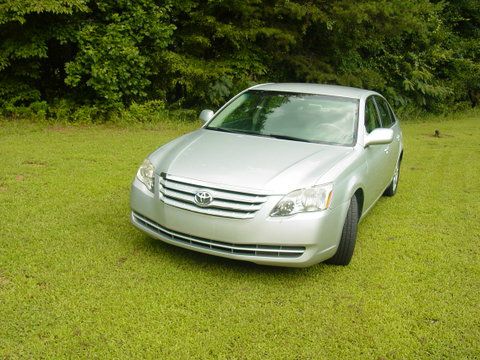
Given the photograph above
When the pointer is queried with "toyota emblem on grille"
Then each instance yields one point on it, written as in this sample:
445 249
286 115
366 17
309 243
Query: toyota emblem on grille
203 198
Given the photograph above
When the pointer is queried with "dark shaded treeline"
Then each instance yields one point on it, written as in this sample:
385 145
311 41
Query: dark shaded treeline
191 53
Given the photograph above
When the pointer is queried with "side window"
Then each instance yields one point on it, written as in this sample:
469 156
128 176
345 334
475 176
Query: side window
371 116
385 112
392 114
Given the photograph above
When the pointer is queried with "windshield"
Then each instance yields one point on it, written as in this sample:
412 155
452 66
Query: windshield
293 116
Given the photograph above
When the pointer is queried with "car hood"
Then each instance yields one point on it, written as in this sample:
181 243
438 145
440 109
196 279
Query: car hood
249 162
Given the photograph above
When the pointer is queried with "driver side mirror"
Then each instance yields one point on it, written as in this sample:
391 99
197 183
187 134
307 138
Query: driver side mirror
206 115
379 136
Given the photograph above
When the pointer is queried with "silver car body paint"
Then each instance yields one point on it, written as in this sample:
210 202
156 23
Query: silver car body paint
266 168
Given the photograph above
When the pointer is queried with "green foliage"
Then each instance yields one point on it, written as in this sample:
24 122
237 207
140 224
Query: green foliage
110 54
148 112
18 10
464 72
115 53
27 62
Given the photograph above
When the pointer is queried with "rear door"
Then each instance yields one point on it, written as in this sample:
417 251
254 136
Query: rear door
388 120
377 157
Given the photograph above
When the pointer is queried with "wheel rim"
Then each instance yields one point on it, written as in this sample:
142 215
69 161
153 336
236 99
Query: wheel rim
395 177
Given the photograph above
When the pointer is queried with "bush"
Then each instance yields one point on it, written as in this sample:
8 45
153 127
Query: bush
88 59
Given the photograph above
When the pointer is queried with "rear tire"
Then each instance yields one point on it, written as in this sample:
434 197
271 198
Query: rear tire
392 188
349 236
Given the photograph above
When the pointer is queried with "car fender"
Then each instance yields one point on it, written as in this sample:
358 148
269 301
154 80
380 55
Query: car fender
347 177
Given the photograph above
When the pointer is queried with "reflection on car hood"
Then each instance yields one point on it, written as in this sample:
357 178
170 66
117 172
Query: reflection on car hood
247 161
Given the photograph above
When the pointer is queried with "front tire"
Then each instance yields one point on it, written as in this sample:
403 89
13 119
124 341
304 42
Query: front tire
349 236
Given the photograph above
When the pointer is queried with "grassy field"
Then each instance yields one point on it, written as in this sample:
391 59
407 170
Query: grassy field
77 280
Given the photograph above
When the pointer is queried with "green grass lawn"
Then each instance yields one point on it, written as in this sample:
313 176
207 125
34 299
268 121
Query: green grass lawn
77 280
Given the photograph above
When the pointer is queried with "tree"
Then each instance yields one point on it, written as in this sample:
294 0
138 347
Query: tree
191 53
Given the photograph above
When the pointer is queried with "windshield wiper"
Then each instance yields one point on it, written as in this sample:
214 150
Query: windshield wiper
286 137
276 136
233 131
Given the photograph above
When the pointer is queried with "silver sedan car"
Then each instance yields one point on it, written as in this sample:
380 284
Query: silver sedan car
280 175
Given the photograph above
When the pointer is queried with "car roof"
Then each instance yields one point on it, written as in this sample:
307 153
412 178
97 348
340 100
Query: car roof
318 89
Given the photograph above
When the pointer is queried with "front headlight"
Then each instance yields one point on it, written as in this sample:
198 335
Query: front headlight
315 198
146 174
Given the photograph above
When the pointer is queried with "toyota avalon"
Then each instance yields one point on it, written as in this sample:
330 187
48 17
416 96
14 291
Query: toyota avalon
280 175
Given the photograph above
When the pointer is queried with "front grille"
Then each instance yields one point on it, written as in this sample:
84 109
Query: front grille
181 192
219 246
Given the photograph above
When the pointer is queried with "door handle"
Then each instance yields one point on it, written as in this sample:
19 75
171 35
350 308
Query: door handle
387 150
398 137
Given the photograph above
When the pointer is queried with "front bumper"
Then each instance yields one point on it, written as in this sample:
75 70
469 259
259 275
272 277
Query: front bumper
300 240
